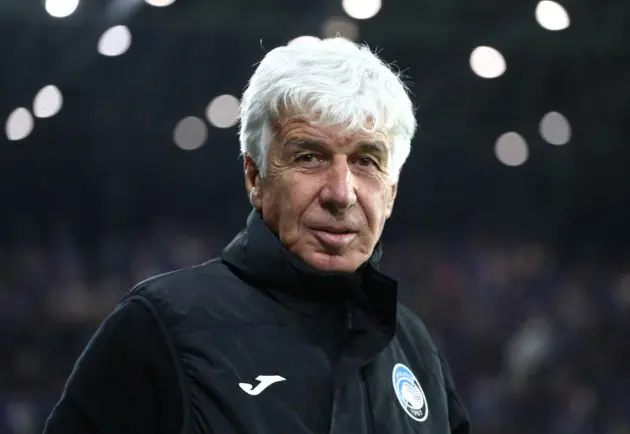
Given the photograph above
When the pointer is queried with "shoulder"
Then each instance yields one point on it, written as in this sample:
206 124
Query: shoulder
182 283
208 291
129 328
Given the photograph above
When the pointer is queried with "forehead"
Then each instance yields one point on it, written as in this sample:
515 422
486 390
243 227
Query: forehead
294 128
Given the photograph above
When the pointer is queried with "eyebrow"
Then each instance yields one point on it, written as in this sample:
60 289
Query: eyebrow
306 144
372 147
376 147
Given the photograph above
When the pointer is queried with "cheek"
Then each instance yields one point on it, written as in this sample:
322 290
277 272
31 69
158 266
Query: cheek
303 192
289 198
376 202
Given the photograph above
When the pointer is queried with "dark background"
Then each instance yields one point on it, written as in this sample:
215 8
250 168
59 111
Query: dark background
519 271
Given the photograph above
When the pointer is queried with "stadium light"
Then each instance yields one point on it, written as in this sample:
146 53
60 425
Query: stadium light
19 124
159 3
61 8
361 9
511 149
190 133
223 111
114 41
47 102
552 16
555 129
340 26
487 62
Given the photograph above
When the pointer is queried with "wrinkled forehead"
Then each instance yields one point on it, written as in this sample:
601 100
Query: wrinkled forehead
291 126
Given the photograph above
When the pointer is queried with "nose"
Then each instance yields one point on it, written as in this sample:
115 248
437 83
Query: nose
339 192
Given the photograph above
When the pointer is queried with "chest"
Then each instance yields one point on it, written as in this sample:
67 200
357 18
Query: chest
273 379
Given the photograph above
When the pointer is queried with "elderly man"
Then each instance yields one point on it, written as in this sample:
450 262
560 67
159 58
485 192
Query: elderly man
292 330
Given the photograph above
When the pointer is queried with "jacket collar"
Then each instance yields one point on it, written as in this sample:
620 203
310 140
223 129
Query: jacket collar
260 257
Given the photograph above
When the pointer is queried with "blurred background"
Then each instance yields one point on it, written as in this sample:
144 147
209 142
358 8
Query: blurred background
119 160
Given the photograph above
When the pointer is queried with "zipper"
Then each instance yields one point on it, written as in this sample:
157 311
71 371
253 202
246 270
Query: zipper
337 379
369 409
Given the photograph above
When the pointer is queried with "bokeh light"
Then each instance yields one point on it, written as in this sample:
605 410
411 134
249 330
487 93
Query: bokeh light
223 111
552 16
487 62
340 26
555 129
511 149
159 3
114 41
61 8
190 133
19 124
47 102
361 9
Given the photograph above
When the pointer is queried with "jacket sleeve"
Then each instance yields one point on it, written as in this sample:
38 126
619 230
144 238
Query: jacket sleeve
124 382
457 415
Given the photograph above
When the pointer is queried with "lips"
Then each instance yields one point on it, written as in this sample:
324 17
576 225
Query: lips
334 237
335 230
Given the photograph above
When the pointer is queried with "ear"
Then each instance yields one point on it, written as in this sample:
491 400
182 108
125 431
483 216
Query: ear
392 199
252 181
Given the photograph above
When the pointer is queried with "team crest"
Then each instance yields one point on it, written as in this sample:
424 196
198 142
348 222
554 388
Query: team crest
410 393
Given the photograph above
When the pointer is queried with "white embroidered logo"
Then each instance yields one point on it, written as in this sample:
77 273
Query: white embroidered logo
409 393
264 382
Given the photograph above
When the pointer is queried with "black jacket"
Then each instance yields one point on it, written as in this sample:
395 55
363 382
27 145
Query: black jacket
259 342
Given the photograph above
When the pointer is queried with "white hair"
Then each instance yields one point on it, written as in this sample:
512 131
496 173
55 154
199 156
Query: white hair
340 81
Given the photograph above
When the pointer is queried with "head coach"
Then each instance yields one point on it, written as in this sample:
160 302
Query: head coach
293 330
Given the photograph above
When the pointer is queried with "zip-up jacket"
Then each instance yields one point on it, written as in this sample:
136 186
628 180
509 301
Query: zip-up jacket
258 341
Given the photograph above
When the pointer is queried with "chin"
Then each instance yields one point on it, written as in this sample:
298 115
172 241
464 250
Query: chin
346 263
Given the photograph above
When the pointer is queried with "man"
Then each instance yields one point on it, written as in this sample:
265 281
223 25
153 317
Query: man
292 330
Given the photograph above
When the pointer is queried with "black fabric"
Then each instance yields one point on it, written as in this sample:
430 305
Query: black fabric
335 339
257 255
124 382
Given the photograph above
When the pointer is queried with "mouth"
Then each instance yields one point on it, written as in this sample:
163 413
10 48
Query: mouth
336 238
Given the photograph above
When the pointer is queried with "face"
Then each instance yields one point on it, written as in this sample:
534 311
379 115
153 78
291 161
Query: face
326 193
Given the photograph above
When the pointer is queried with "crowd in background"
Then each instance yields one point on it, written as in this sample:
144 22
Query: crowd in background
536 345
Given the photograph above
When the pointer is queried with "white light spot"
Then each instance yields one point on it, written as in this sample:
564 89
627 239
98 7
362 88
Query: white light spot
190 133
552 16
160 3
19 124
222 112
61 8
47 102
340 26
305 39
487 62
361 9
511 149
114 41
555 129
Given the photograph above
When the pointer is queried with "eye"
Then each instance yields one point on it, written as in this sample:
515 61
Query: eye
308 159
366 161
305 158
